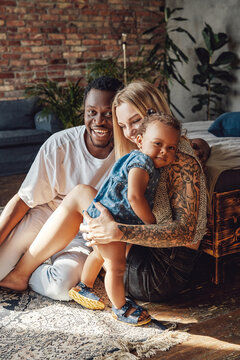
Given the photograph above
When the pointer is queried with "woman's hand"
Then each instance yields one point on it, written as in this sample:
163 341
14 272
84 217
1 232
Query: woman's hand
101 230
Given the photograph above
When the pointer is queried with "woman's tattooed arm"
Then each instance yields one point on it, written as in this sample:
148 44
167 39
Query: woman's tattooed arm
183 189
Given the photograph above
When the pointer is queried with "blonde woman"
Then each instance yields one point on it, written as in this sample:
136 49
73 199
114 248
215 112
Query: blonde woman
163 255
161 260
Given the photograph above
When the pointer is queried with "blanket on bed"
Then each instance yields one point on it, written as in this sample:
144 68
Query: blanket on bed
225 151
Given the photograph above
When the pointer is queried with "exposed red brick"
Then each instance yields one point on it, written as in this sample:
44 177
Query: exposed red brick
41 74
24 75
40 62
30 56
56 40
16 23
31 42
7 3
58 61
41 49
10 56
28 30
56 36
49 17
90 42
17 64
6 75
20 49
53 42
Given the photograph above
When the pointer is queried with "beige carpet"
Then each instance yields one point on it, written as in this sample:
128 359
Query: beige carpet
35 327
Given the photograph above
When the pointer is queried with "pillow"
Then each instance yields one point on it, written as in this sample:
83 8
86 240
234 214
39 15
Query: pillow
18 114
226 125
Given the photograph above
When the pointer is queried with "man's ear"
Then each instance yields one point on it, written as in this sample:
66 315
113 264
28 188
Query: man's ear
139 141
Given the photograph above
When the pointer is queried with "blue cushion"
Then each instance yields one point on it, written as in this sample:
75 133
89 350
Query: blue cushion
23 137
226 125
18 114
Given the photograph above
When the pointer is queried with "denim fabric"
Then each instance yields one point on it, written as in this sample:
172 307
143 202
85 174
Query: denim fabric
154 274
113 193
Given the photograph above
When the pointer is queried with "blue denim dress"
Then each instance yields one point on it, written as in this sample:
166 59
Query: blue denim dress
113 193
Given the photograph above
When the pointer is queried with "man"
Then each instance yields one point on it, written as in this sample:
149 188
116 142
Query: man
202 150
78 155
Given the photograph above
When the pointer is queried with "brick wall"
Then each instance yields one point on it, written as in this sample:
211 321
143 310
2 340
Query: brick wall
55 40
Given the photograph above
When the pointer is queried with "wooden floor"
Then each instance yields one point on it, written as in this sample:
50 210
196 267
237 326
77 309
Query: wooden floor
210 314
9 186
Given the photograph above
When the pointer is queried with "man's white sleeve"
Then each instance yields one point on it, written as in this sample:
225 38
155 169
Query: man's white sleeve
41 185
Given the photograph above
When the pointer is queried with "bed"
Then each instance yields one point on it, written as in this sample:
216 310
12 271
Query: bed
223 180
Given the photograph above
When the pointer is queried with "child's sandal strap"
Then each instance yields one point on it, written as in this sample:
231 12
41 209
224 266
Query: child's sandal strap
131 319
84 296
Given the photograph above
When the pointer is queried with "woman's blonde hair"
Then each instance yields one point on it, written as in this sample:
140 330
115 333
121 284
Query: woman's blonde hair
143 96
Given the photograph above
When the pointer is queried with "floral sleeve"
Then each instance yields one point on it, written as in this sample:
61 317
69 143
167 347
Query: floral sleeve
184 193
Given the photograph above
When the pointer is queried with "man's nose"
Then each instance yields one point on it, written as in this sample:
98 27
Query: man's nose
99 119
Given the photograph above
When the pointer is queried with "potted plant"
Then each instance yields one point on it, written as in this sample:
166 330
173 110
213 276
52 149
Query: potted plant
104 67
214 71
64 101
165 54
140 68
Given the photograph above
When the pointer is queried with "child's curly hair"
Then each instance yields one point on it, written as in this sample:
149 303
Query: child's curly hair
165 119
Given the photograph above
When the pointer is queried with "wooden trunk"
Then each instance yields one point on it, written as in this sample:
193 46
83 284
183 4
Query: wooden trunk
223 230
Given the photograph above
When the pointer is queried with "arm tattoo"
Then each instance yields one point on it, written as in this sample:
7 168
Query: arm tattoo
184 193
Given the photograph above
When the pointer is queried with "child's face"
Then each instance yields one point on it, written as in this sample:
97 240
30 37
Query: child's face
160 143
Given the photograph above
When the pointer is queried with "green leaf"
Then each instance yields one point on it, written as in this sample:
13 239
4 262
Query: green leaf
179 19
221 89
204 69
224 75
177 110
179 29
208 35
203 55
178 53
227 57
199 79
148 31
197 107
174 10
219 40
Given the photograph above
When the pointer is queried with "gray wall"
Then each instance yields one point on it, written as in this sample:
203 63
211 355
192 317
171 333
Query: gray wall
222 16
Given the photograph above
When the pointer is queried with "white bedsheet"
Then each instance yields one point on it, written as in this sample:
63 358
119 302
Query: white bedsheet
225 151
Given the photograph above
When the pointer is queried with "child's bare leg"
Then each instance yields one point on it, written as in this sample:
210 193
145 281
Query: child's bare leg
82 293
114 255
91 268
55 235
114 263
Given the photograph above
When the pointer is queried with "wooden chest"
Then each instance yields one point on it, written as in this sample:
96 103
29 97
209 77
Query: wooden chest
223 231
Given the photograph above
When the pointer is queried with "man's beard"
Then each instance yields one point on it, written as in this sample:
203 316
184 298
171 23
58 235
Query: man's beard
101 146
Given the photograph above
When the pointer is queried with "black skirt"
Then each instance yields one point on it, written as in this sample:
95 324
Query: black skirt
154 274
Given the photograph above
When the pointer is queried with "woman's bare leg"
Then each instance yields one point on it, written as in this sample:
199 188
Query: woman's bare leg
55 235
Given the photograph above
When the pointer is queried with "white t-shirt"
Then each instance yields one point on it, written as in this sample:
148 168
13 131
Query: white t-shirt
63 162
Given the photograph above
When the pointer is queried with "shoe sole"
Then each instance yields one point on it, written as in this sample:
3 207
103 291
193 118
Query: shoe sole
140 323
87 303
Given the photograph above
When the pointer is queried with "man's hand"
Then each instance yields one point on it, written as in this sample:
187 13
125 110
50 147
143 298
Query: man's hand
101 230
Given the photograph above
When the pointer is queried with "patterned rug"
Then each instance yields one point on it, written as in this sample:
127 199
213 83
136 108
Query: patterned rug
36 327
